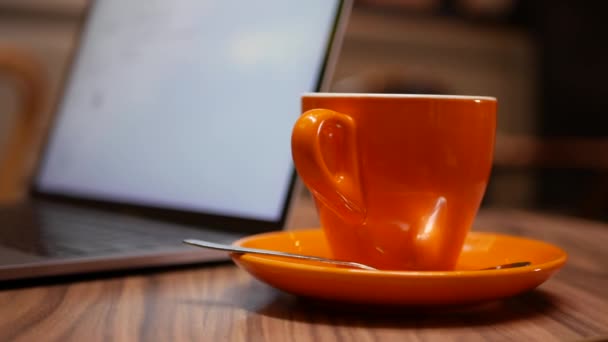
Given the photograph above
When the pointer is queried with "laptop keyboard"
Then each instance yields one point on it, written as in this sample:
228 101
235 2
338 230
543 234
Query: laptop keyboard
65 231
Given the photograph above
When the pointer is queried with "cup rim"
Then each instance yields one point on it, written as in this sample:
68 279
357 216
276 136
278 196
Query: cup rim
400 96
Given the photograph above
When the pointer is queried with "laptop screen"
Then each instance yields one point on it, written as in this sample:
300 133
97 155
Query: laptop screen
187 104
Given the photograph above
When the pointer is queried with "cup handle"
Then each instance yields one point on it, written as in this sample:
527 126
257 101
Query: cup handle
17 155
338 188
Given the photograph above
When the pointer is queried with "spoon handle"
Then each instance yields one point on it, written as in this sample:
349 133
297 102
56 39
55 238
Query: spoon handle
244 250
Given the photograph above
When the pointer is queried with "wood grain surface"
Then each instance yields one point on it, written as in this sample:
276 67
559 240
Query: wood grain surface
222 303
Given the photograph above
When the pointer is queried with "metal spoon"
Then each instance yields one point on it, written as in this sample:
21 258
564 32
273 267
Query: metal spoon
245 250
511 265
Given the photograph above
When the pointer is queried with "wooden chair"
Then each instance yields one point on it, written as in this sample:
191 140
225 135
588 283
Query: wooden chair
571 152
18 156
561 153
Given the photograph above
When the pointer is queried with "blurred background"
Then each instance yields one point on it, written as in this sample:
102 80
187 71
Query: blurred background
545 61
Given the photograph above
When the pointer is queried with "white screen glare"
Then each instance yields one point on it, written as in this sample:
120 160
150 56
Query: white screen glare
187 104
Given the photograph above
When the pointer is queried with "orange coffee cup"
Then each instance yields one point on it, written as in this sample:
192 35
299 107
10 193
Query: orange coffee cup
397 179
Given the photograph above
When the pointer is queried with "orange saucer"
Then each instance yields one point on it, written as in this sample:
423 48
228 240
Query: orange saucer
463 285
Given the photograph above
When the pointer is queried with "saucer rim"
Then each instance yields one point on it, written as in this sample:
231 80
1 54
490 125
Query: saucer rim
546 266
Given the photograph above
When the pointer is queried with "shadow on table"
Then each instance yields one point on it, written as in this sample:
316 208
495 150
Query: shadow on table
272 303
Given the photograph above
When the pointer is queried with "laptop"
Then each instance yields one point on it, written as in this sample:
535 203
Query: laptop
174 123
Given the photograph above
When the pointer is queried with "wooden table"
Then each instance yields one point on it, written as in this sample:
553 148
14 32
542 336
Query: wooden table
223 303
